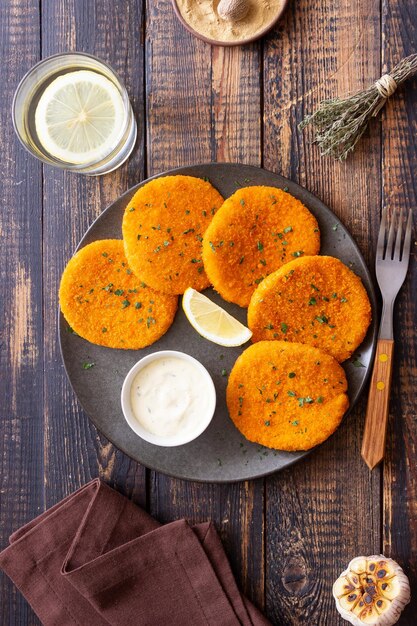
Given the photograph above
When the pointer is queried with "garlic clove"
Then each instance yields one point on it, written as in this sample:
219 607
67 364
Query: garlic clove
367 579
382 605
382 569
342 587
389 588
369 615
358 565
354 579
348 602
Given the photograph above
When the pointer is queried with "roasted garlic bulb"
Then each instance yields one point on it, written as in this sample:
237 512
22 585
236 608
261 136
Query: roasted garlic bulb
372 590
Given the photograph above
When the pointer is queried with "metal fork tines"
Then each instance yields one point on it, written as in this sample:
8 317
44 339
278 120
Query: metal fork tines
392 257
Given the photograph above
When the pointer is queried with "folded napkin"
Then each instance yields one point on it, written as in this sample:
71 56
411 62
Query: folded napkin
96 559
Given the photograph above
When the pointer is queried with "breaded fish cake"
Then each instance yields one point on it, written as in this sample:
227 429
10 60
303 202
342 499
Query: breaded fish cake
287 396
256 230
105 303
163 229
314 300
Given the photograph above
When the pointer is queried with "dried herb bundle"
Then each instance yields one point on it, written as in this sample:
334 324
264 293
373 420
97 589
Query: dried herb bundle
341 122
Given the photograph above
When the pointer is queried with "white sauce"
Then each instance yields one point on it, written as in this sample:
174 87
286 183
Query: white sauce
170 396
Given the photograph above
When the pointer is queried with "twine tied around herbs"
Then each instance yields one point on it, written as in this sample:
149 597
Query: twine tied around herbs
340 123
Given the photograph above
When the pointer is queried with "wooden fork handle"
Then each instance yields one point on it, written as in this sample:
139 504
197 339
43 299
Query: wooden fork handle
373 444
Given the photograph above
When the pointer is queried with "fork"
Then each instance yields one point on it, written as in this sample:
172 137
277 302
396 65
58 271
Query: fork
392 259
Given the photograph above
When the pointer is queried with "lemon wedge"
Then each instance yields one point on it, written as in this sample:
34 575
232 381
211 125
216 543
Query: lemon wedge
213 322
79 117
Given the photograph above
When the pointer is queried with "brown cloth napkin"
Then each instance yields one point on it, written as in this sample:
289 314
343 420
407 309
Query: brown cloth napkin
96 559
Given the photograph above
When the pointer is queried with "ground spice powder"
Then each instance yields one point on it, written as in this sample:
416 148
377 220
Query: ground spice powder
202 16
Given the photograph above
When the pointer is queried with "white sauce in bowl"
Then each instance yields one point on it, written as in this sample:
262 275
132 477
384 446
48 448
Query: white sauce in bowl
172 396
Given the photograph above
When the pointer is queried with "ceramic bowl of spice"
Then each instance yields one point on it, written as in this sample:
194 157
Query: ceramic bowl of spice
229 22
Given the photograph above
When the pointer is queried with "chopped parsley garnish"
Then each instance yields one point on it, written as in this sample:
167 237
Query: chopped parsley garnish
314 287
267 423
269 327
306 400
224 372
131 209
125 304
88 366
356 362
291 394
242 258
212 246
104 329
291 375
343 299
295 423
105 254
242 202
312 301
118 292
195 260
298 253
189 230
260 246
138 305
288 229
322 319
320 399
284 327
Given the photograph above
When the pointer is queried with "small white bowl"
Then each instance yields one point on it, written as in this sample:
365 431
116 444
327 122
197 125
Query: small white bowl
170 440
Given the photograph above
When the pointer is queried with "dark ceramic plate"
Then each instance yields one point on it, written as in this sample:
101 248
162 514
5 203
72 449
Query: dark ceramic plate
221 453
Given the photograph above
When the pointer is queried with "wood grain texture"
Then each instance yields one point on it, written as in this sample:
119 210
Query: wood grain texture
399 28
74 450
21 440
288 537
317 51
376 420
216 117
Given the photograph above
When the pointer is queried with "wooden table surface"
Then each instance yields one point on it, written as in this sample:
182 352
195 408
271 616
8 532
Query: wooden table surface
290 535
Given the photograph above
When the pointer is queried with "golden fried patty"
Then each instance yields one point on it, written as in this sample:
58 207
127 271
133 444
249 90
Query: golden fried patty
163 229
287 396
314 300
256 230
104 302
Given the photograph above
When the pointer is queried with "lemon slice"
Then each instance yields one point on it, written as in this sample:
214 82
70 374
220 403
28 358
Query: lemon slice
213 322
79 117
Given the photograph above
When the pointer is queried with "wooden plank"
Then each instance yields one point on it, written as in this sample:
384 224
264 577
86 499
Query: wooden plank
204 105
325 510
21 441
74 450
399 27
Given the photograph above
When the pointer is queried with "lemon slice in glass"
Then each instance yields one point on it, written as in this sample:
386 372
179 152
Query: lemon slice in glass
213 322
79 118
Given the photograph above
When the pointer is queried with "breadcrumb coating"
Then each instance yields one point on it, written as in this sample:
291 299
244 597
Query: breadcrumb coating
313 300
104 302
163 228
286 396
255 232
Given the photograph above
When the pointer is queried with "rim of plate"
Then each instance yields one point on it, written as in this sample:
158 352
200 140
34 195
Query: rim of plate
372 330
